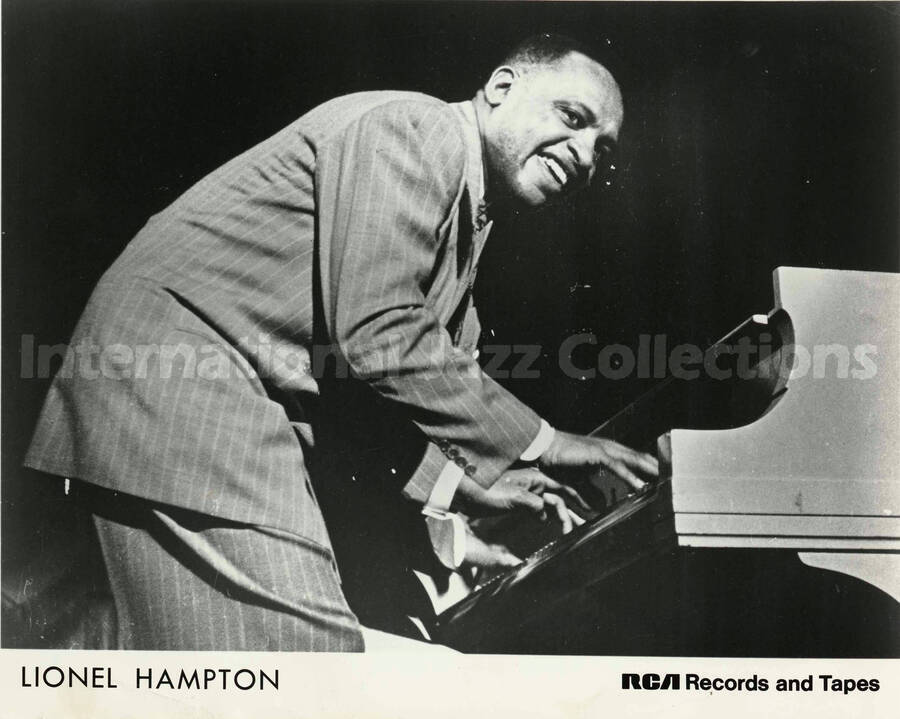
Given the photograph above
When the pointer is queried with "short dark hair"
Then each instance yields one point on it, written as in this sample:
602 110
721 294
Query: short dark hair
549 48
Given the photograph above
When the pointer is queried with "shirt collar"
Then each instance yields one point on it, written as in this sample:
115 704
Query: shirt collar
475 151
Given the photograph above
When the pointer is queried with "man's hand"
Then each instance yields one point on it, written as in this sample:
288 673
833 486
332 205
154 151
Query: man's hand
570 452
488 556
520 489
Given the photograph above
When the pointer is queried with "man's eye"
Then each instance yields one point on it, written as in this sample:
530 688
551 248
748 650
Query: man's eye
572 119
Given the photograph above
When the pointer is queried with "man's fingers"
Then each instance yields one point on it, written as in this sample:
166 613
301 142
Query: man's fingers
504 557
556 503
640 460
488 556
544 483
576 497
538 482
627 476
571 492
646 463
528 500
541 481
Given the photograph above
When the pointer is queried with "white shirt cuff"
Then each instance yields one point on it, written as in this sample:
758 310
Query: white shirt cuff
539 445
447 530
448 536
445 487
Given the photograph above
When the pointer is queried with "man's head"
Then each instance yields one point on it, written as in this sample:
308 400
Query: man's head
549 115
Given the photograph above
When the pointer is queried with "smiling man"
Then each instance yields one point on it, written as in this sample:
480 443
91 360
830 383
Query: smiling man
334 260
548 123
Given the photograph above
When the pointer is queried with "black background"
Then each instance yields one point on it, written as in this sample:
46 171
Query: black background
756 135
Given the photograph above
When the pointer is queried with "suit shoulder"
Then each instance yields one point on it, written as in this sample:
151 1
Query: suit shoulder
367 101
402 111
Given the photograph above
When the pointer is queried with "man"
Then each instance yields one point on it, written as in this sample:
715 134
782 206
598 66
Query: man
334 259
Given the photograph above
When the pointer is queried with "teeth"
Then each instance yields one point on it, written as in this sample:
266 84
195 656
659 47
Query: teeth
556 170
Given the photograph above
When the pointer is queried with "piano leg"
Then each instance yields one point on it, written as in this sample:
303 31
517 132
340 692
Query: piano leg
879 570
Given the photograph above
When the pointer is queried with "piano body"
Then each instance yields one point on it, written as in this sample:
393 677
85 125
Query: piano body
775 465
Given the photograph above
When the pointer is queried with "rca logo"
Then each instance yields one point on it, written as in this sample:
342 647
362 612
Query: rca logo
651 681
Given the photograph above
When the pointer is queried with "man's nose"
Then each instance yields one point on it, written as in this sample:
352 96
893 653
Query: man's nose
581 148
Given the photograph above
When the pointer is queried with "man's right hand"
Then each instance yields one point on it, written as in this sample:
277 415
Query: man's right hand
588 455
519 489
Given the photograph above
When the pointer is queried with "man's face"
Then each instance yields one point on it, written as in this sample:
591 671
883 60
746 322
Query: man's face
549 128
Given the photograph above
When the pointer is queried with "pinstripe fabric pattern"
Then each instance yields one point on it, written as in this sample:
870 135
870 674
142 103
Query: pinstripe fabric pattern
351 231
231 586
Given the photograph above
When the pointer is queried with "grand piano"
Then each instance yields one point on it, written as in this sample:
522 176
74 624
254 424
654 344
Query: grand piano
774 528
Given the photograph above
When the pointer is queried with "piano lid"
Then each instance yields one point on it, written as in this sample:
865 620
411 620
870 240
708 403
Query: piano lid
821 469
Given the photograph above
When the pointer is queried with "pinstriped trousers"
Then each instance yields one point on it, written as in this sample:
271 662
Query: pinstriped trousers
188 581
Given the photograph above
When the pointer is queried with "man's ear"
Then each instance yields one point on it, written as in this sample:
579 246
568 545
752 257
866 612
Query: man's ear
499 84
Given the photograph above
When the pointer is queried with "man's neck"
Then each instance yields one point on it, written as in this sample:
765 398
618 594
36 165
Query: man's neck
497 203
482 109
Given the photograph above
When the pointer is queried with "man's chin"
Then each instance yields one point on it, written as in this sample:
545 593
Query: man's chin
534 197
529 196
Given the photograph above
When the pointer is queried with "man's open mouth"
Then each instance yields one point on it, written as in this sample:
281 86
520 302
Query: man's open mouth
556 170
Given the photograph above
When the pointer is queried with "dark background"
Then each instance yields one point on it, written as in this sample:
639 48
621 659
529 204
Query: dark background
756 135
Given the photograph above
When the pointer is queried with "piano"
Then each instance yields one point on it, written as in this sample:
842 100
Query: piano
774 528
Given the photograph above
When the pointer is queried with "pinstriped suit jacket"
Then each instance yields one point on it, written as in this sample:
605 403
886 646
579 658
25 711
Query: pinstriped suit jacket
347 240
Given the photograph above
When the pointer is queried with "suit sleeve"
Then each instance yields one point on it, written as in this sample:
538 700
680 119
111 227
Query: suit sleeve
386 189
